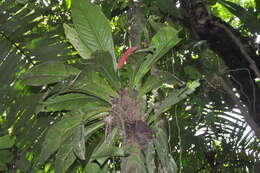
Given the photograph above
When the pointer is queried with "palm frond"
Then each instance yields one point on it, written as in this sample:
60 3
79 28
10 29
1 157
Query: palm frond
25 41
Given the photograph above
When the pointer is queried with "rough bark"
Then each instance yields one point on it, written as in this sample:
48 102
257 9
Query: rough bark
137 19
137 135
237 51
136 132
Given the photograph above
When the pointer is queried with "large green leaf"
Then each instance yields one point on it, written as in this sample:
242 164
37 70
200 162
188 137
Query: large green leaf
176 96
65 156
91 148
74 146
106 151
92 83
77 43
68 3
166 160
79 142
91 129
68 102
57 134
150 158
157 80
6 141
48 72
90 111
92 26
105 62
92 167
163 41
134 62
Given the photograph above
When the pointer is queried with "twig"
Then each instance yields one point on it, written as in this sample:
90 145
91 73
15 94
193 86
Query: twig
179 138
241 87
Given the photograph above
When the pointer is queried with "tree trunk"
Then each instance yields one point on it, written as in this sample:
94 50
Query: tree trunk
137 135
237 52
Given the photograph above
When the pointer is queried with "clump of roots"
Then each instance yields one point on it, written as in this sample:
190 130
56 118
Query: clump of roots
127 116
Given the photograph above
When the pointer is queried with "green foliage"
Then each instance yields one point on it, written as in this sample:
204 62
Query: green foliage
92 26
167 162
56 122
157 80
68 3
92 83
104 61
49 72
248 17
57 134
169 6
74 39
65 156
6 141
163 41
176 96
6 157
105 151
67 102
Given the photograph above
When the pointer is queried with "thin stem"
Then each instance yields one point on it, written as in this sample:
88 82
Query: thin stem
179 138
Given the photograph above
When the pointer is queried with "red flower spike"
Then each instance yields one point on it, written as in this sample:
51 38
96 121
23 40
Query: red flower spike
125 55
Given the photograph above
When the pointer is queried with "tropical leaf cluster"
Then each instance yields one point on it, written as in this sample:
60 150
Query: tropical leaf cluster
66 107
